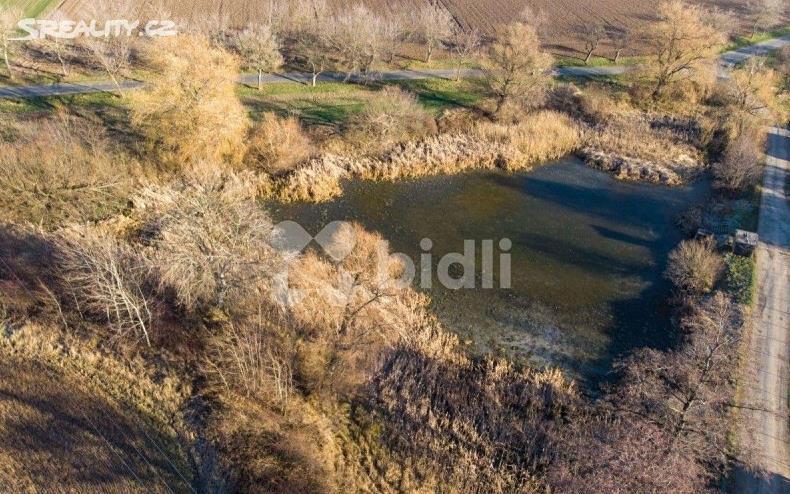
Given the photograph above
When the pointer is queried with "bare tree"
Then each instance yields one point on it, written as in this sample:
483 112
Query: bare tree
683 44
592 35
621 38
393 30
9 16
516 66
465 43
259 49
432 25
750 93
309 28
357 39
765 14
113 52
688 393
539 19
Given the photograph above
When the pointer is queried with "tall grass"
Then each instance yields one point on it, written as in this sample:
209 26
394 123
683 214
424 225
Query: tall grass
542 136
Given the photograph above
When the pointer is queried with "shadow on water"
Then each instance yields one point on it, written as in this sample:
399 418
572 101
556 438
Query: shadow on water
588 253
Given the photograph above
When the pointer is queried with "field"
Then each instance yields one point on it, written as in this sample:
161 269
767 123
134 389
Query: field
565 17
31 8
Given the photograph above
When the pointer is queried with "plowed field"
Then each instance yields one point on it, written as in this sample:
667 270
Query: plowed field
565 17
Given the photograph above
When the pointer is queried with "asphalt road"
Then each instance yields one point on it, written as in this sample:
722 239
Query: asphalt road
65 89
766 389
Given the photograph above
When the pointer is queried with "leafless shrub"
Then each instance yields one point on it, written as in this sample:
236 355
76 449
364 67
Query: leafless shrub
189 114
391 116
105 278
277 144
741 165
210 243
62 169
249 358
694 267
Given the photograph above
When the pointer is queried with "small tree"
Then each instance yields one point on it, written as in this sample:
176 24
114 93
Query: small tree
432 25
694 267
465 43
621 40
516 65
260 50
112 52
683 44
764 14
9 16
393 29
750 93
592 35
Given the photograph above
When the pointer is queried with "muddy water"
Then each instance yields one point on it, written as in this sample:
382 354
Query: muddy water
587 255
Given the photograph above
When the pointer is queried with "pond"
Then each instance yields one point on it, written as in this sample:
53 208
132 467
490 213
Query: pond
587 257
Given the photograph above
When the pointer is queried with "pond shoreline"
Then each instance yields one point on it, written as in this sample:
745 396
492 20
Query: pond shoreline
587 258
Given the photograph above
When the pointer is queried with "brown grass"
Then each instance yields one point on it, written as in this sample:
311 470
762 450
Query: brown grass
62 169
276 145
540 137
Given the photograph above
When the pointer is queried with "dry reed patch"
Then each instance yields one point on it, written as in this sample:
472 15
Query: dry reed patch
636 146
277 145
542 136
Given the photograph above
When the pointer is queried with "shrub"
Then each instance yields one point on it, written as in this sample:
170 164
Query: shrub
210 242
740 167
60 170
188 114
277 144
248 357
105 278
740 277
694 267
389 117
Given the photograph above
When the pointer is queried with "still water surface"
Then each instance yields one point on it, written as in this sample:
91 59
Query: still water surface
588 253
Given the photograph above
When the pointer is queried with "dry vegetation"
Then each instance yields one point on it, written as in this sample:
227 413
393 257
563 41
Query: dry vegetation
150 270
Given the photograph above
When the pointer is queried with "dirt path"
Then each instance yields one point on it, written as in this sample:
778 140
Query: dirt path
767 386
